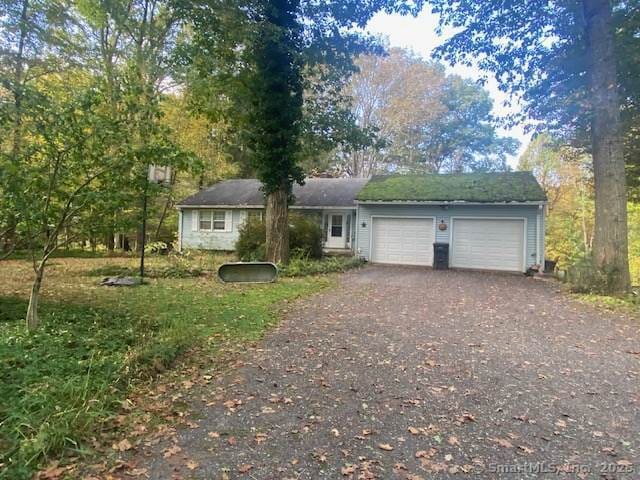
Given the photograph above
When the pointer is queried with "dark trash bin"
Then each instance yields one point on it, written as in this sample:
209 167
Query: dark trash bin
549 266
440 256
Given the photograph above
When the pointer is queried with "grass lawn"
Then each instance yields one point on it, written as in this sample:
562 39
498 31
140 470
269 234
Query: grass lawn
61 386
624 304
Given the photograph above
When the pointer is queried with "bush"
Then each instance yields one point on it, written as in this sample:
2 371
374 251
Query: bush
305 239
584 277
303 266
250 244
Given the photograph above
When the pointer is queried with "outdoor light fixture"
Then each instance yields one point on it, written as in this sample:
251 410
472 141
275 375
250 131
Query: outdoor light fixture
364 224
442 226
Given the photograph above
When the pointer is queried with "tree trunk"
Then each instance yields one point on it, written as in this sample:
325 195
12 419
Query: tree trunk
610 244
277 223
109 241
32 311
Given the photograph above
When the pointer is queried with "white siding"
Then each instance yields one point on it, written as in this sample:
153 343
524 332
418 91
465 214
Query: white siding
218 240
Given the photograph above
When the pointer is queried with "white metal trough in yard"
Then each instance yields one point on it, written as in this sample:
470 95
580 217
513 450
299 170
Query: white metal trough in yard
248 272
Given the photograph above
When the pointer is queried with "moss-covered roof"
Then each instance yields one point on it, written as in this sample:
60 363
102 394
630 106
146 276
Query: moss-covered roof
454 187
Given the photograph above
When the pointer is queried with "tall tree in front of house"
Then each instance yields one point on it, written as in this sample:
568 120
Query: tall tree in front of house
252 63
276 113
561 58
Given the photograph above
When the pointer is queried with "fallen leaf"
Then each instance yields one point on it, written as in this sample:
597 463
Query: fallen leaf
122 445
502 442
453 441
137 472
385 446
426 453
348 469
53 472
244 468
192 464
526 450
171 451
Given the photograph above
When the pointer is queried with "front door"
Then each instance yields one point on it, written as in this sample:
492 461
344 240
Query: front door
337 230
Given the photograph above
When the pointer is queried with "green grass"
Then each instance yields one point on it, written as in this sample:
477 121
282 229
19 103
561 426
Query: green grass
470 187
60 386
625 304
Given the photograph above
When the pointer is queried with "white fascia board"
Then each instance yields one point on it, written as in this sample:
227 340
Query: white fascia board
220 207
291 207
402 202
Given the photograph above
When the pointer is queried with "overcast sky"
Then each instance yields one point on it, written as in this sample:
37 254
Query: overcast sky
419 34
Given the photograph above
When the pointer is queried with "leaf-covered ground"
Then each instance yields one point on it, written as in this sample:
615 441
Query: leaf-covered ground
410 373
61 388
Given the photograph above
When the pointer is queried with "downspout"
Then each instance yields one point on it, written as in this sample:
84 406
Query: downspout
543 222
179 230
356 247
538 235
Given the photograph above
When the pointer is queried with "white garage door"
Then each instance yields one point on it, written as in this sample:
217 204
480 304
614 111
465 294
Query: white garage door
407 241
488 244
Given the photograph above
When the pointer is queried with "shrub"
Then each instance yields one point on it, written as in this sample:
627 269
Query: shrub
305 239
303 266
584 277
250 245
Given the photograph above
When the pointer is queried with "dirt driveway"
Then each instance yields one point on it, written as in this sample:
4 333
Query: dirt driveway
410 373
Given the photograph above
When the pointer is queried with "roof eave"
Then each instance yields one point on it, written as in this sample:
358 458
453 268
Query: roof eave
447 202
298 207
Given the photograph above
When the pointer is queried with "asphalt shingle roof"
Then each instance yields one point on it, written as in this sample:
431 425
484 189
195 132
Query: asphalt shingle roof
316 192
455 187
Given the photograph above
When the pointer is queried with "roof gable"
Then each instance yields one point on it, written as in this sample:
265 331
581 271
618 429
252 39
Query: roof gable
494 187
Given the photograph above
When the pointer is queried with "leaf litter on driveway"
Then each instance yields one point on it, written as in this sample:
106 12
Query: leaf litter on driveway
412 373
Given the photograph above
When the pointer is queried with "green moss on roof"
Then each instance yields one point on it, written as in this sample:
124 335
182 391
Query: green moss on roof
463 187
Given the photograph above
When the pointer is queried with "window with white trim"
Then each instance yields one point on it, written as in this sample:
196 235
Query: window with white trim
212 221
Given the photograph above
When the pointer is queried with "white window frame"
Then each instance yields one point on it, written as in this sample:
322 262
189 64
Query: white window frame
210 213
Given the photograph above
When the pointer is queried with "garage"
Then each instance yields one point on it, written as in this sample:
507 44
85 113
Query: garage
488 243
407 241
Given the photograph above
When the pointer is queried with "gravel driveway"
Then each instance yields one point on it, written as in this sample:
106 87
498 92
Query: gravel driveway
411 373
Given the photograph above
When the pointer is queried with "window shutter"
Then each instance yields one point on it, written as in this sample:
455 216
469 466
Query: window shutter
228 220
195 220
